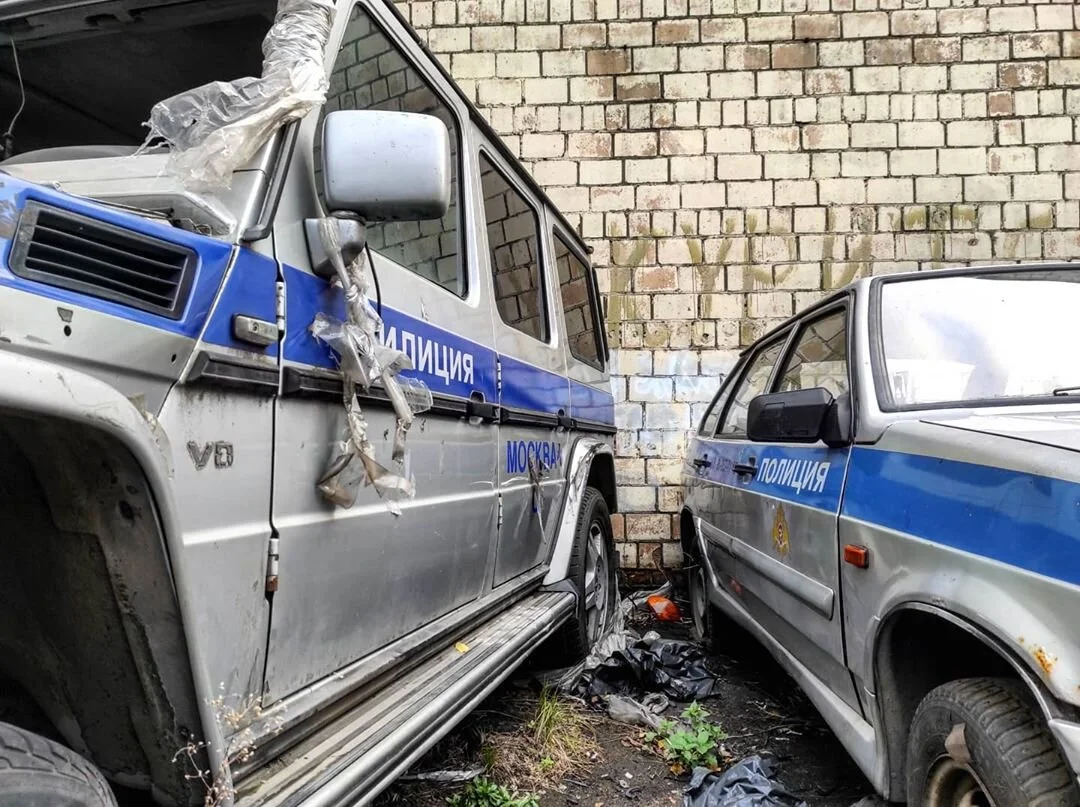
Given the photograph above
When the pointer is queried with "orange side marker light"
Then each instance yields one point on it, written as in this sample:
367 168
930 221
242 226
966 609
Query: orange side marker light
857 556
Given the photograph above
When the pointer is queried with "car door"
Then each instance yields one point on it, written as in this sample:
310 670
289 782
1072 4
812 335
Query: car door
534 393
354 580
777 504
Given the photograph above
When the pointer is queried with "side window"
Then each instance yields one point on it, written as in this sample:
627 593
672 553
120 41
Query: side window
819 358
371 73
514 251
752 384
579 307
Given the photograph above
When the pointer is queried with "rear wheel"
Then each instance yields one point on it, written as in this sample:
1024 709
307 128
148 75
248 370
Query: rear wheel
980 742
35 772
592 571
701 610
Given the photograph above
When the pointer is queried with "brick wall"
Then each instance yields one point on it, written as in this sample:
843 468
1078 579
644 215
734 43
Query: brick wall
730 160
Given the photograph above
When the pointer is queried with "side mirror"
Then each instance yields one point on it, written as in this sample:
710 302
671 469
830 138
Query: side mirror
385 166
800 416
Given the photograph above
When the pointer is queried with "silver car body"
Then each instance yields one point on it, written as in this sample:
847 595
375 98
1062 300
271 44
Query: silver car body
969 516
232 580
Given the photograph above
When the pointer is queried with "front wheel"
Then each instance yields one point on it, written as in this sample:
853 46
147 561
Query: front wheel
592 571
35 772
979 742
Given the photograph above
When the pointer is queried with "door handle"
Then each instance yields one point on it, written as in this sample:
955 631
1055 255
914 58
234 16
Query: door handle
701 463
745 468
477 407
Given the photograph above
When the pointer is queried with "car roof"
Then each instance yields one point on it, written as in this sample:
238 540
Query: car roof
862 286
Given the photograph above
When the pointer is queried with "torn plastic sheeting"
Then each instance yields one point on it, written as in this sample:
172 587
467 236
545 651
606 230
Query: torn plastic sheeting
748 783
443 777
653 664
646 713
363 359
217 128
617 638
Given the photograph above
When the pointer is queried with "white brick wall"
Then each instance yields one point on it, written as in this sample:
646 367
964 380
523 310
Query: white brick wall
731 160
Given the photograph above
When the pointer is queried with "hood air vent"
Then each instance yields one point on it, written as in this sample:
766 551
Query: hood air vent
81 254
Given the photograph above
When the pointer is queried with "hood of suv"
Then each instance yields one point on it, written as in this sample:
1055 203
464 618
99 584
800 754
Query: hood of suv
1059 429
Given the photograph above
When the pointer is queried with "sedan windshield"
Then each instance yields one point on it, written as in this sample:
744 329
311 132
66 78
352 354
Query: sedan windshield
979 338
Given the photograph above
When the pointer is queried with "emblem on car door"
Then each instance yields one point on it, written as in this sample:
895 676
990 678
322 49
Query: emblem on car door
221 452
780 532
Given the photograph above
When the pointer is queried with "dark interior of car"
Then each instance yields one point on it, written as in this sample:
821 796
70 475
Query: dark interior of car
92 73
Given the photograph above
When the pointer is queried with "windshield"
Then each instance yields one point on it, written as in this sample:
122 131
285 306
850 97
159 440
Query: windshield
978 338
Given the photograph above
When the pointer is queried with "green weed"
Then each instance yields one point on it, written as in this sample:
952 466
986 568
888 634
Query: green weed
691 744
485 793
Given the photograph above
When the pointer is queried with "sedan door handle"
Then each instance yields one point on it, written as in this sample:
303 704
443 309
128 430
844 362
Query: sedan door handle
745 469
701 463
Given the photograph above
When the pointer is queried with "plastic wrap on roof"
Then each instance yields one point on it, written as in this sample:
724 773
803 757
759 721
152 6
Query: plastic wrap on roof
215 129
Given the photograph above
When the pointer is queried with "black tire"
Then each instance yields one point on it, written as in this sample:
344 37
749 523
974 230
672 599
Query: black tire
702 612
571 643
35 772
1009 750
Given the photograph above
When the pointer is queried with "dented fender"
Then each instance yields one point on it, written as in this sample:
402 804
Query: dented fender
45 390
579 463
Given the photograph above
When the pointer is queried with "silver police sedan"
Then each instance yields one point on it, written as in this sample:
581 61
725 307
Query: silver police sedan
886 493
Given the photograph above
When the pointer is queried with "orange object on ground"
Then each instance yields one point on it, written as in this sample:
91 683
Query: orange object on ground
665 609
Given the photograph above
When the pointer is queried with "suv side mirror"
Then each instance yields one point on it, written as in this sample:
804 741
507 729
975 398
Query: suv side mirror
386 165
800 416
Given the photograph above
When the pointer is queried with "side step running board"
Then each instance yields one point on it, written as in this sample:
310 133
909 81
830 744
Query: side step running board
353 759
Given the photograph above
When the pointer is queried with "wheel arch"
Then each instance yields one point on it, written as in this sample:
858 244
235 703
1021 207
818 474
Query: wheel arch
920 646
101 648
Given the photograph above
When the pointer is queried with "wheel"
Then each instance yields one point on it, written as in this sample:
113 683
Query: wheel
592 571
980 742
701 610
35 772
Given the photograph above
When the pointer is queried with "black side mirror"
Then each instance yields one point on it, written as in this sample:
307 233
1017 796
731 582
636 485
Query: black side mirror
800 416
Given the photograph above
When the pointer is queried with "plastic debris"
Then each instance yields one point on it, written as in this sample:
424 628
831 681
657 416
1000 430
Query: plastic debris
665 609
748 783
871 801
364 360
217 128
652 664
646 713
443 777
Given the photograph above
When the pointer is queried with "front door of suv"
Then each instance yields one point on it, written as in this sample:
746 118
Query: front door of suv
778 503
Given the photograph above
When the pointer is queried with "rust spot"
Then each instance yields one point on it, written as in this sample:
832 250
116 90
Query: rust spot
1046 661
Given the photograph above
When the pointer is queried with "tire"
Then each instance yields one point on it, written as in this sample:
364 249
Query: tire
1010 757
702 613
35 772
573 641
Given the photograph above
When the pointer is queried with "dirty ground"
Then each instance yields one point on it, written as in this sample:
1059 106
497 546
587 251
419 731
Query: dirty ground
758 705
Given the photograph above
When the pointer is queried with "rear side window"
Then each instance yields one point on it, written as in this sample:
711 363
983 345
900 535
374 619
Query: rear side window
753 383
819 358
514 251
579 307
370 72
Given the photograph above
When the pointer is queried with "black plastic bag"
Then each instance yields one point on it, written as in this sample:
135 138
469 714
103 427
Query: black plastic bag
653 664
748 783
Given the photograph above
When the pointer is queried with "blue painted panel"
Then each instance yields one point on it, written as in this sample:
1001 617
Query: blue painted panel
592 404
213 258
533 389
449 364
250 290
1031 522
812 475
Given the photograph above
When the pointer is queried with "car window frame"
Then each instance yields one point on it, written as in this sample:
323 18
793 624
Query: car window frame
800 326
593 294
542 259
783 338
878 374
426 72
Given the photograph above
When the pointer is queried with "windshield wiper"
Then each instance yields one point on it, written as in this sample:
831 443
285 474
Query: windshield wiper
1065 390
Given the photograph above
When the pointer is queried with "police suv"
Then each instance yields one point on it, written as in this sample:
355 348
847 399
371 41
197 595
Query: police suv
231 571
886 492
